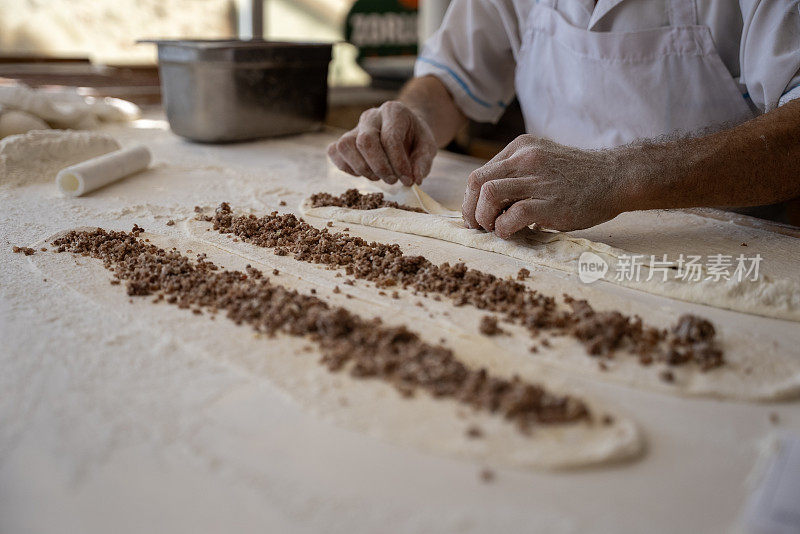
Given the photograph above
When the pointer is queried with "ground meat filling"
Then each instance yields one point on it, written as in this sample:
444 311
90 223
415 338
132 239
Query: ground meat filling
489 327
366 347
353 199
23 250
603 333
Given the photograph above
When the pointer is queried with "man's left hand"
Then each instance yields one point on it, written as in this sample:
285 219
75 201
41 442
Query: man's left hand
538 181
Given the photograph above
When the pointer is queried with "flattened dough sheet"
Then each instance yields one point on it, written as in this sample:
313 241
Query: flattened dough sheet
368 406
746 376
768 296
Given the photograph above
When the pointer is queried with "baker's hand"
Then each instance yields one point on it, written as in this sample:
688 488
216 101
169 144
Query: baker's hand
390 143
539 181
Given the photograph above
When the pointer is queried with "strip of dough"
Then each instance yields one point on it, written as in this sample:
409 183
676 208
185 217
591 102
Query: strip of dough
429 204
766 296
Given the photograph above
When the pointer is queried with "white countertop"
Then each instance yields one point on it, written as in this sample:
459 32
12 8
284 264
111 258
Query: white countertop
115 436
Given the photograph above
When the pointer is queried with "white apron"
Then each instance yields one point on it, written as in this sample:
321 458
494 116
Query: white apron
603 89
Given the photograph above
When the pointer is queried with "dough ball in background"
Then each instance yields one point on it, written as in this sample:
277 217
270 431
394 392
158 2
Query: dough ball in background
14 122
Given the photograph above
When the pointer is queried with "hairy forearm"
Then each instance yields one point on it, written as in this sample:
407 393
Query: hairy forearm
755 163
429 99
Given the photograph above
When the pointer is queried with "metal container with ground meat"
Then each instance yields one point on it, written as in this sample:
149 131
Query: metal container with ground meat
229 90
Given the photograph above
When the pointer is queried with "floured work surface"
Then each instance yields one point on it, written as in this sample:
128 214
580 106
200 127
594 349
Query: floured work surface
106 426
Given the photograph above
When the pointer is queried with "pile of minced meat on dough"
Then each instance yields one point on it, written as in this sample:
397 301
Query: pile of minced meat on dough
691 341
367 347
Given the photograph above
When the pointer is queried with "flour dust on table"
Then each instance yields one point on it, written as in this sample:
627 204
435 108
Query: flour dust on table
37 156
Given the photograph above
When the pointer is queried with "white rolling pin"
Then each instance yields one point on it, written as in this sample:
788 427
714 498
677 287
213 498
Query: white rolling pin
92 174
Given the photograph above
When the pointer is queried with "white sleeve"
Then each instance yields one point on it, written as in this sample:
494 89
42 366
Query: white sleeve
770 51
792 92
473 55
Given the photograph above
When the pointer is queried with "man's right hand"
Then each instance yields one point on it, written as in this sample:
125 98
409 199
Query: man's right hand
390 143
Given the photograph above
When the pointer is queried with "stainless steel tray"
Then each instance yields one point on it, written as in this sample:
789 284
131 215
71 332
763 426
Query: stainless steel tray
228 90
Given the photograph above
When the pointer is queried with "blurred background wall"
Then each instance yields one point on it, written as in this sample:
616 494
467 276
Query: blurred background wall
105 31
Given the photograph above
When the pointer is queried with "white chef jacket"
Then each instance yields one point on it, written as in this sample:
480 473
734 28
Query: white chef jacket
475 53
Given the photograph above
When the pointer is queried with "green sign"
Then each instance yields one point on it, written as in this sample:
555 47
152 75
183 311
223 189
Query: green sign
383 27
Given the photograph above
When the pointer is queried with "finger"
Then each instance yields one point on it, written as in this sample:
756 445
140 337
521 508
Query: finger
519 215
338 160
422 158
368 143
395 128
497 195
478 177
346 146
